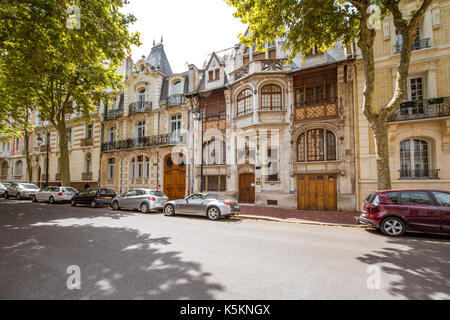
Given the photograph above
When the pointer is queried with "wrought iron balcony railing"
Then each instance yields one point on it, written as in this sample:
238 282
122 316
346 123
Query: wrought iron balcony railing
144 142
411 174
417 45
113 114
140 106
423 109
175 100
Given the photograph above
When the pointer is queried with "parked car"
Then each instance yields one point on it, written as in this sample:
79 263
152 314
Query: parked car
396 211
145 200
93 197
201 204
54 194
21 190
3 187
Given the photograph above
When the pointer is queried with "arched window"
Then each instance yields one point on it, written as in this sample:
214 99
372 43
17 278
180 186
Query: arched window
316 145
214 152
414 158
271 97
19 168
176 89
244 102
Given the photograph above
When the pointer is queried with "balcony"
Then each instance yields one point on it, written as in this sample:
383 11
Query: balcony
423 109
140 106
112 114
175 100
144 142
259 66
87 142
419 174
86 176
417 45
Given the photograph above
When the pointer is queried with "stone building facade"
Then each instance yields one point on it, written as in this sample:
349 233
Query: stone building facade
419 131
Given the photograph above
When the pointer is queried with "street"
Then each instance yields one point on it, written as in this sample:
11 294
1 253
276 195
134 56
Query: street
129 255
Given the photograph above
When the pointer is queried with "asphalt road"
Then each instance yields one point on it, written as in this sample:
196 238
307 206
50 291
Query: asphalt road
129 255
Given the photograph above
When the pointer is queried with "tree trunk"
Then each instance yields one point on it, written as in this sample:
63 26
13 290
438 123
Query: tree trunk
64 164
380 130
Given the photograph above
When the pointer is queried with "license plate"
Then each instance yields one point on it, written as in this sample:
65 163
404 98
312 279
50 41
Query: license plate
108 198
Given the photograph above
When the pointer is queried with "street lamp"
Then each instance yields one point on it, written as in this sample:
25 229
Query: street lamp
40 142
197 114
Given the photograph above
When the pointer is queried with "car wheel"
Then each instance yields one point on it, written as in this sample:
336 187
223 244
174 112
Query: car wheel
115 206
18 196
145 208
51 200
93 204
73 203
169 210
6 195
213 213
33 198
393 227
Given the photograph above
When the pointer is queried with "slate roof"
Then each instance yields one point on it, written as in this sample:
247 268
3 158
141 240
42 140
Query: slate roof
157 58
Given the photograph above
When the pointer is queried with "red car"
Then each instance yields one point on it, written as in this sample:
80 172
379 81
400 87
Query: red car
395 211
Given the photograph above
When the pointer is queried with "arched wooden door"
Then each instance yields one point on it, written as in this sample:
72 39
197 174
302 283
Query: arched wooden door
247 188
175 177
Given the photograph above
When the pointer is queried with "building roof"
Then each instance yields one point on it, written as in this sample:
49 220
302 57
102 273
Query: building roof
158 59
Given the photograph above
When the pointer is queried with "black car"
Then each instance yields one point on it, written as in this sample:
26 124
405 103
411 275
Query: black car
93 197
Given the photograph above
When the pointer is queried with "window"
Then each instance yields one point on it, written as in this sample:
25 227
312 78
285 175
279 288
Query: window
132 166
139 168
16 146
414 159
140 99
111 164
214 152
147 168
214 75
139 130
314 51
176 88
111 135
443 198
88 163
415 197
217 71
215 183
316 145
416 95
4 169
214 108
316 89
89 131
69 134
211 75
272 165
244 102
19 168
175 128
271 97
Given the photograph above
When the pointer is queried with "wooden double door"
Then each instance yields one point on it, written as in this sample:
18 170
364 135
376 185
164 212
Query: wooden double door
247 188
174 178
317 192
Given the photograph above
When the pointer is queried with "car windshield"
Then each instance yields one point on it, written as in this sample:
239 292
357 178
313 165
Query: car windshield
6 184
29 186
158 194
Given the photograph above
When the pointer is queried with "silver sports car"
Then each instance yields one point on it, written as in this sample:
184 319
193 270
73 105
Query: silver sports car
201 204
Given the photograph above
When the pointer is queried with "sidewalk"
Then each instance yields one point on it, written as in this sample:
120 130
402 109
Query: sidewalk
299 216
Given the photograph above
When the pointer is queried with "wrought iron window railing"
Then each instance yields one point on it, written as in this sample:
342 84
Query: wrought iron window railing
411 174
422 109
143 142
417 45
175 100
140 106
113 114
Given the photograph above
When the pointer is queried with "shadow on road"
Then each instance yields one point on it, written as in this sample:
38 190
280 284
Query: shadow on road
419 262
115 262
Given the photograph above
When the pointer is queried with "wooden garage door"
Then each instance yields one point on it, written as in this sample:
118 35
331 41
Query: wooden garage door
317 192
246 190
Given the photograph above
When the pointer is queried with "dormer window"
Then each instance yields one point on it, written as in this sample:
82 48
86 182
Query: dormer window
176 89
314 52
214 75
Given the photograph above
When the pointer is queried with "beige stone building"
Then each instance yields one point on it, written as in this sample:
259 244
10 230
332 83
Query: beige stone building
419 132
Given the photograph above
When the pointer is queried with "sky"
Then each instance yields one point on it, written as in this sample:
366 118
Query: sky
191 29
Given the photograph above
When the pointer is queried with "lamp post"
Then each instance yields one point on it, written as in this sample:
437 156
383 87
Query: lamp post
198 115
40 141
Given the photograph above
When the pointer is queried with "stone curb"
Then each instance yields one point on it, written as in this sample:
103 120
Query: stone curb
299 221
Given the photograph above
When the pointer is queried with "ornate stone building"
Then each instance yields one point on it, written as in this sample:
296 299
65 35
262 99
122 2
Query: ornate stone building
419 132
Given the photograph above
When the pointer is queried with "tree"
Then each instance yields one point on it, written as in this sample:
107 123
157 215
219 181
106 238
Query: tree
65 56
309 23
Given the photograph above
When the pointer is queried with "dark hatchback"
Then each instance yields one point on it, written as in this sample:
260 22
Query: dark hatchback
396 211
93 197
